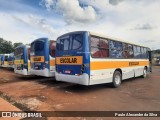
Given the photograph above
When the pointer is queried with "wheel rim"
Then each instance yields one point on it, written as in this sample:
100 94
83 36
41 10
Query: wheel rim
117 79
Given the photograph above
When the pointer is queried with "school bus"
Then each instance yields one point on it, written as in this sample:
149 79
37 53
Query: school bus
88 58
43 57
22 60
11 60
5 60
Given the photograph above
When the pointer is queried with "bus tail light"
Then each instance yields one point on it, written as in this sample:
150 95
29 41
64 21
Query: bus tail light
82 68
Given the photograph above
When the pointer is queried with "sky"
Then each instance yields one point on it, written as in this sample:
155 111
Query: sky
135 21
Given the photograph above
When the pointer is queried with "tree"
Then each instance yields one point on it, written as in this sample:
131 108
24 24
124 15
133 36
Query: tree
17 44
5 46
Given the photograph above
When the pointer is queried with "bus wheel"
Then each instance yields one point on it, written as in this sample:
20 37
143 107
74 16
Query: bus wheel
144 72
117 79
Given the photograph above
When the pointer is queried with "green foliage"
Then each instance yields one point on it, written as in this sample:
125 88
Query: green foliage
7 47
157 51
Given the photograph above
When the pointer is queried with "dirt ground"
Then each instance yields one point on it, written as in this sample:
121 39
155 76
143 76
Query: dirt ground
45 94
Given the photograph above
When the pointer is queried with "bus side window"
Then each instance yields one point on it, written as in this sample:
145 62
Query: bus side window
115 49
52 47
99 47
126 53
137 52
95 52
104 48
130 50
144 52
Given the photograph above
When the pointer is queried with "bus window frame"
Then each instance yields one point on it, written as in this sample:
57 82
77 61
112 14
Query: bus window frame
90 36
98 47
72 40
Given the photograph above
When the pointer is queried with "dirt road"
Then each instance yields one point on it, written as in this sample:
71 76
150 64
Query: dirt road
46 94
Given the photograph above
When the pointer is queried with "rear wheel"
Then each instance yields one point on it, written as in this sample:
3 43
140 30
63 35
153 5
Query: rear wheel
117 79
144 72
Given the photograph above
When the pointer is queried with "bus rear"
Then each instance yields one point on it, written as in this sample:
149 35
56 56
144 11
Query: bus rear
22 60
11 60
5 60
43 57
72 58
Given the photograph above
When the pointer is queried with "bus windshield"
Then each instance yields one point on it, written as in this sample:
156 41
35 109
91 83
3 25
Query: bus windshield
6 58
18 51
37 46
70 42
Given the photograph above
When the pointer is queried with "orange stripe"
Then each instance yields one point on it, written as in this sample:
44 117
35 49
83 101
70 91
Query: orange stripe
96 65
52 62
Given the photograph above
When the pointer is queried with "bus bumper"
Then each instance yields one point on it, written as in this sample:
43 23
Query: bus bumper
22 72
5 66
45 73
11 66
82 79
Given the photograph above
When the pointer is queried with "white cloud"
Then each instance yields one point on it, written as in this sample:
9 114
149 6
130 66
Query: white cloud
72 11
123 19
115 2
26 28
49 4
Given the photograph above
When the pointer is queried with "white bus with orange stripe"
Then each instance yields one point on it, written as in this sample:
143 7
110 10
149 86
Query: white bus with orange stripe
43 57
87 58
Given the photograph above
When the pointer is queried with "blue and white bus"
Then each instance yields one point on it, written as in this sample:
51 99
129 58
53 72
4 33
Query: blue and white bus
87 58
11 60
43 57
5 60
22 60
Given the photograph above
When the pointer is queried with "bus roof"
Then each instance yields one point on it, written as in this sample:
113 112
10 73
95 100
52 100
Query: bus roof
41 39
22 46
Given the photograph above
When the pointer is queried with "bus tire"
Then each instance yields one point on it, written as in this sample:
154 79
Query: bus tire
144 72
117 79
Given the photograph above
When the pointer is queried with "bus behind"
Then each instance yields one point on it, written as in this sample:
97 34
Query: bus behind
43 57
5 60
22 60
11 60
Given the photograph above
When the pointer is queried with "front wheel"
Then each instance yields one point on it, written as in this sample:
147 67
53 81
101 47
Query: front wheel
117 79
